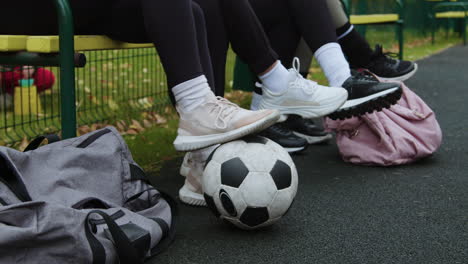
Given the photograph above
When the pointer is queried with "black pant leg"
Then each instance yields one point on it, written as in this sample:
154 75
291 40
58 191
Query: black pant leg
176 27
285 21
247 36
218 42
313 21
279 27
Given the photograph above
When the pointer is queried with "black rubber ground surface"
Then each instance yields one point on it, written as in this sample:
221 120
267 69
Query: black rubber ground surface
350 214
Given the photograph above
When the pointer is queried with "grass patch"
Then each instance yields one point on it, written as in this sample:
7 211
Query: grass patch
154 146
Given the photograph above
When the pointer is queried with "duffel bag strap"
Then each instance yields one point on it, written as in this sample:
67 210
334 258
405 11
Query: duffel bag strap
169 233
12 180
37 141
126 252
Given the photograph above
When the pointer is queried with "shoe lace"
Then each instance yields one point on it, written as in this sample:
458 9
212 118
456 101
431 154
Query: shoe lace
225 111
307 85
363 75
386 57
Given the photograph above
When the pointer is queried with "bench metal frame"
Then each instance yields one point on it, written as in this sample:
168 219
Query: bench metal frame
447 7
399 23
65 59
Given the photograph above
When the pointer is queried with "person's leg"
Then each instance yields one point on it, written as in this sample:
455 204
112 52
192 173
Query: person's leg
313 21
355 47
305 18
213 120
359 52
148 21
284 90
218 42
295 133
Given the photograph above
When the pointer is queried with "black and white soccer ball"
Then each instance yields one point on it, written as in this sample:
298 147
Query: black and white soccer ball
250 182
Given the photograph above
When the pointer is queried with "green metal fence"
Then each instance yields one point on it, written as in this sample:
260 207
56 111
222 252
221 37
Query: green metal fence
115 84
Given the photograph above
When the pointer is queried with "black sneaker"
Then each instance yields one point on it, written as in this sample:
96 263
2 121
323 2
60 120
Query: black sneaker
280 134
366 95
390 69
307 129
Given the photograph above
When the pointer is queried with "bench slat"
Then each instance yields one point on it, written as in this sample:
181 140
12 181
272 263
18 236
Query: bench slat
450 14
50 44
10 43
373 19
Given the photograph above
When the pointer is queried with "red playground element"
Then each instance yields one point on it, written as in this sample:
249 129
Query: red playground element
43 79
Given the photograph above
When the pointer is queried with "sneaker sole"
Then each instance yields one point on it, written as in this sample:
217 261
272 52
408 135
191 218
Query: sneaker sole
403 77
308 111
191 198
369 104
314 140
295 150
191 143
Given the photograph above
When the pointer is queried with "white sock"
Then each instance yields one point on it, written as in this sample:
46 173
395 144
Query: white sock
276 80
255 104
191 93
333 63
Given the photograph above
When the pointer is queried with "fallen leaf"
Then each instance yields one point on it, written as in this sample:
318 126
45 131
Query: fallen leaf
121 126
137 126
24 143
83 130
159 119
147 123
132 132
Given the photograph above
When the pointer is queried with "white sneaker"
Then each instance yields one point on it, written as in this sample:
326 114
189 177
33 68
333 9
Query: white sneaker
218 121
188 163
304 97
192 168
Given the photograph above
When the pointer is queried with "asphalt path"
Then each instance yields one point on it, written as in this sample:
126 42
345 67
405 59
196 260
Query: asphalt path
353 214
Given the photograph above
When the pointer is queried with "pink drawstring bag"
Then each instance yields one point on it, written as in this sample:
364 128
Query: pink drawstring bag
402 134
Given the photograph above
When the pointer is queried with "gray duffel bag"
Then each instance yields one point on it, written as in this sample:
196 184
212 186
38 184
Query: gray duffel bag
80 200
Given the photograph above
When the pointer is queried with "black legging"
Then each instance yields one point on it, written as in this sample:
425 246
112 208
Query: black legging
283 22
176 27
286 21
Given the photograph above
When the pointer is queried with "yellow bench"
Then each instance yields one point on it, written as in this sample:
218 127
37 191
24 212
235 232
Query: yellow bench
50 44
373 19
395 18
10 43
452 9
451 14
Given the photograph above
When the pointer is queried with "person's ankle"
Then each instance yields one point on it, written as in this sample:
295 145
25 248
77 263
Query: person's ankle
192 93
276 79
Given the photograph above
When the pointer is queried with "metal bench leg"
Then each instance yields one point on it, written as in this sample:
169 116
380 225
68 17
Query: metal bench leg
464 31
401 39
67 70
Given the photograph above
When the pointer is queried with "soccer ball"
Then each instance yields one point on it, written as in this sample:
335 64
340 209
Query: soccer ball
250 182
